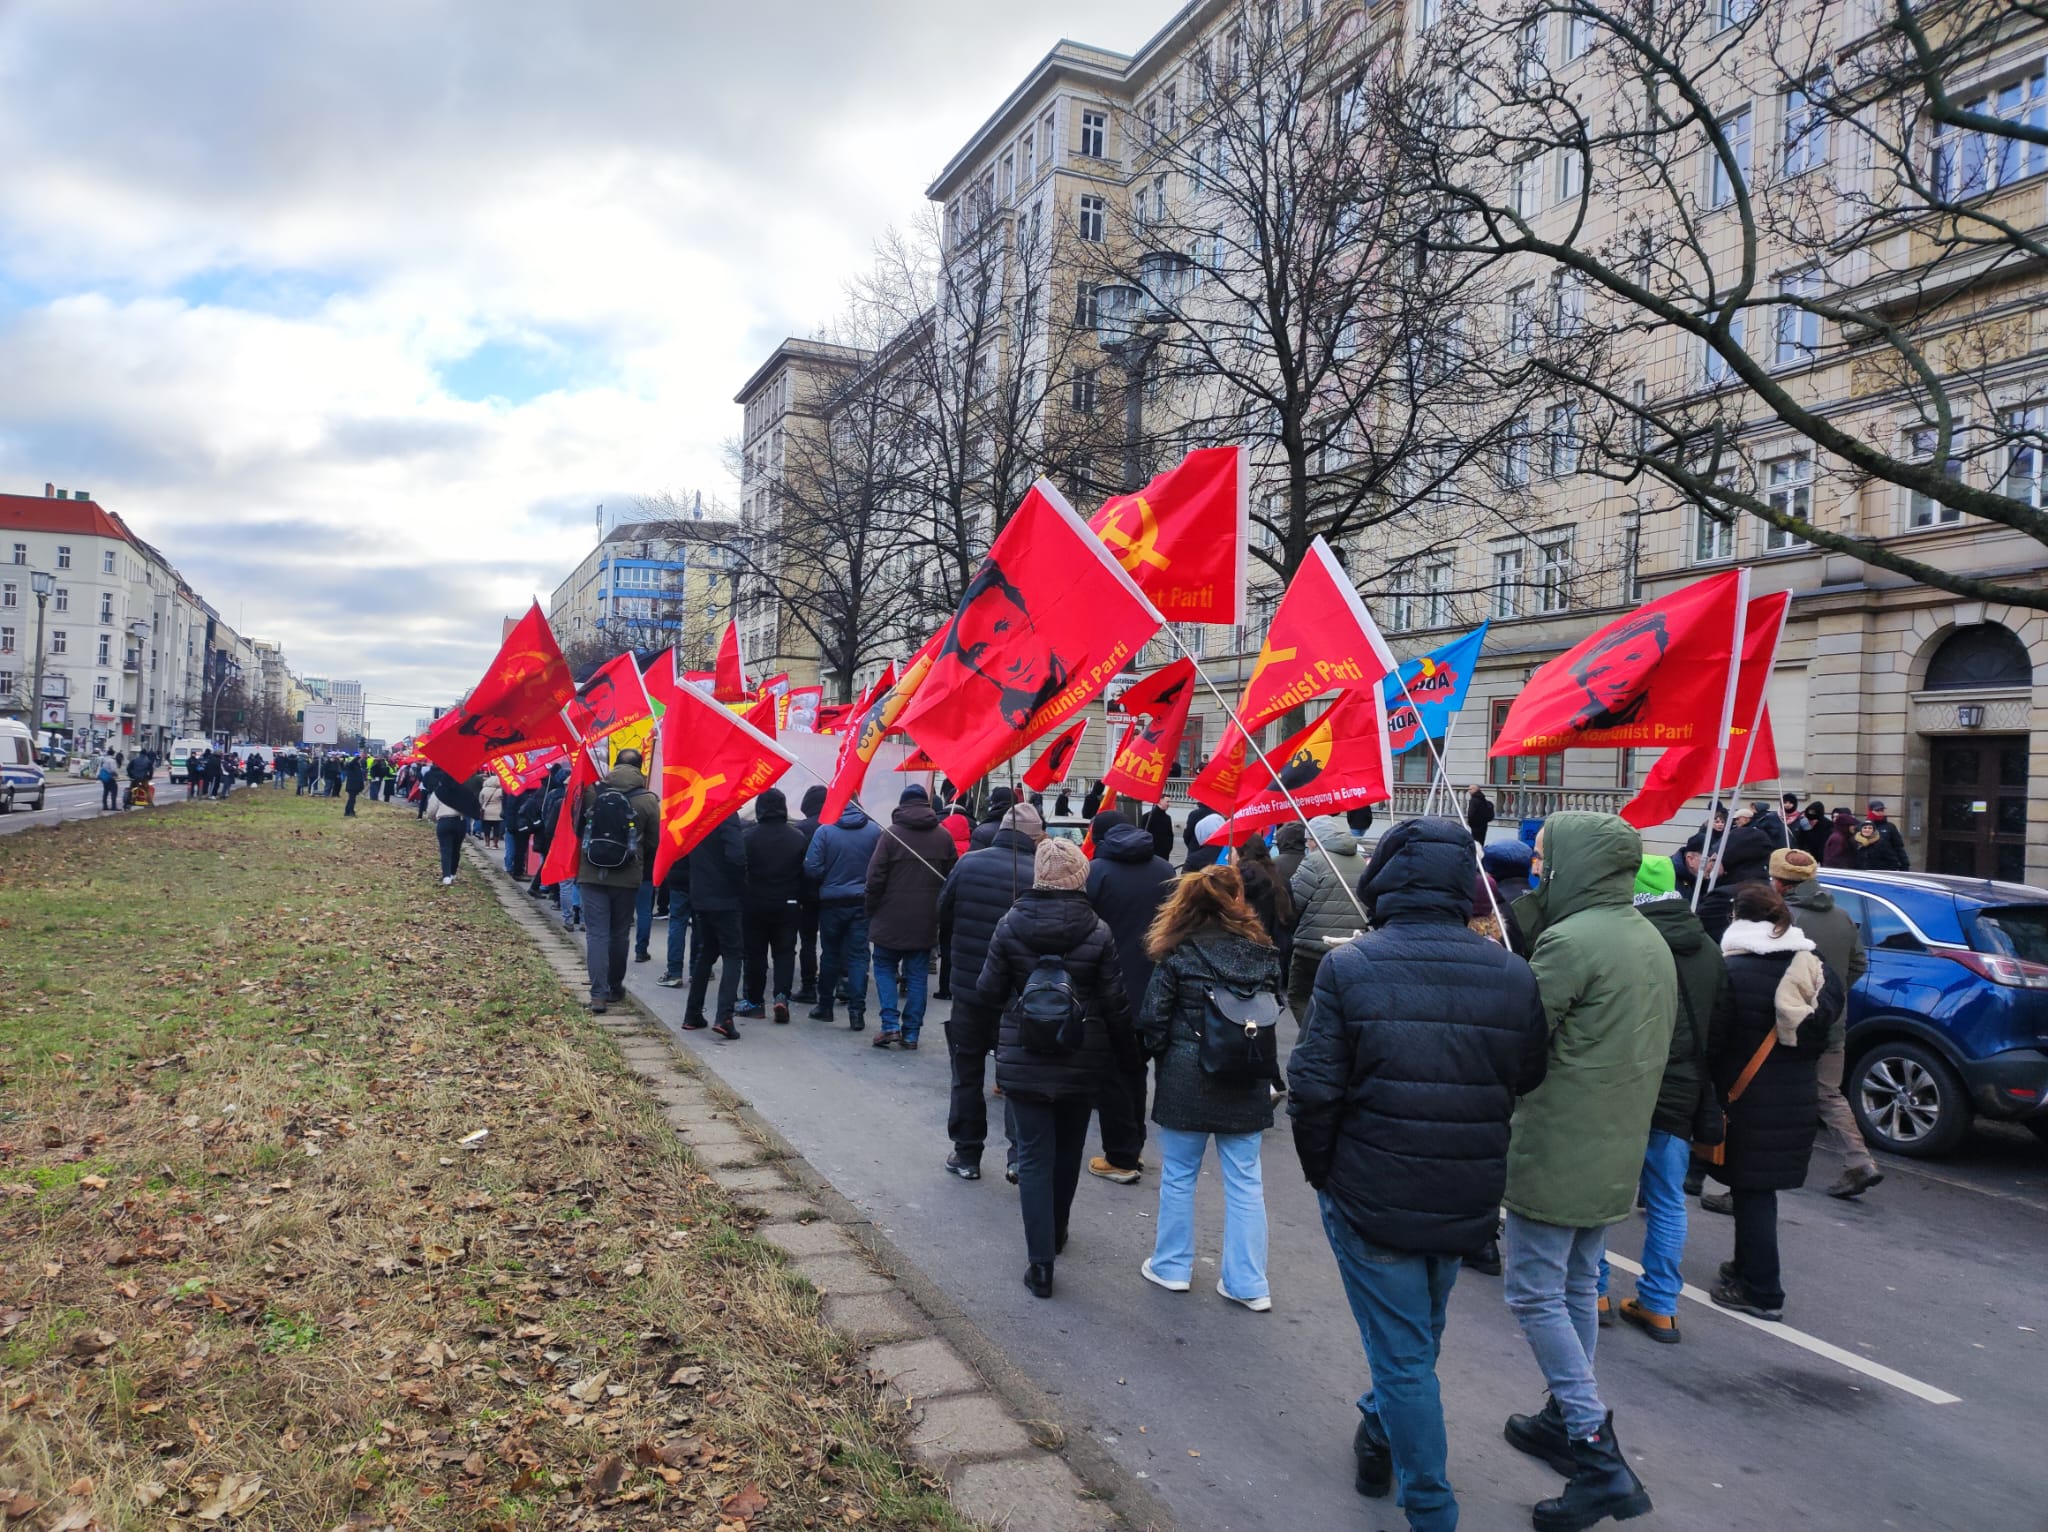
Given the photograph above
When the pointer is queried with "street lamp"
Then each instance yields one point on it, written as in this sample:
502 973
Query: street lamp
1127 323
42 584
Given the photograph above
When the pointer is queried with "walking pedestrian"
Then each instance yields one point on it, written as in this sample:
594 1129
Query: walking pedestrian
1322 893
1266 893
354 778
448 825
718 892
773 909
1834 935
1883 848
1290 850
807 906
1065 1022
837 862
616 822
978 893
1610 991
1127 883
1091 801
1810 834
1782 1001
1421 1036
1841 849
1478 813
904 877
1000 801
110 783
1205 941
491 798
1200 852
1159 825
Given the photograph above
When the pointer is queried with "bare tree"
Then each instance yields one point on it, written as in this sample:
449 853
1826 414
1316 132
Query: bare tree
1812 199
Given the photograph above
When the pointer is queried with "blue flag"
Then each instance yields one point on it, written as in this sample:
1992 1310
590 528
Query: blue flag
1438 683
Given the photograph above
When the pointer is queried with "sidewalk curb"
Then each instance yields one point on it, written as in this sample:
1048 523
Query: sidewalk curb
977 1418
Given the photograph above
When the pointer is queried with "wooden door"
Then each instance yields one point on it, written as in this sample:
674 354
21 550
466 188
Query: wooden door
1979 823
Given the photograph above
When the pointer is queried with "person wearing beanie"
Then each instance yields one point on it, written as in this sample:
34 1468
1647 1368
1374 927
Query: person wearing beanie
1202 854
1052 943
903 882
807 905
771 907
1795 875
1000 801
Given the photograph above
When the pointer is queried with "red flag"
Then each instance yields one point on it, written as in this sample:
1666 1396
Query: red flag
1183 536
1322 640
1161 700
1686 771
663 677
877 715
1658 676
917 760
1052 767
516 706
761 713
1339 761
712 762
801 717
729 673
565 852
1047 622
613 697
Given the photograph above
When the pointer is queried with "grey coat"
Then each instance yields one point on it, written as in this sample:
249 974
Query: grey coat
1170 1029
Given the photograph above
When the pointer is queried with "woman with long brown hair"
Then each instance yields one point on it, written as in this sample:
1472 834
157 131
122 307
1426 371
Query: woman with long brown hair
1207 941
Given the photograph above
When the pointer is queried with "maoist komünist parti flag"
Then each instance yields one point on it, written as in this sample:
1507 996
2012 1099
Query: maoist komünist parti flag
1184 536
518 705
1048 620
1160 702
711 761
613 697
1655 678
1338 762
862 733
1685 771
1051 767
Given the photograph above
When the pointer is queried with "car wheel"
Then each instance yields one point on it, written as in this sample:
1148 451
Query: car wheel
1908 1101
41 798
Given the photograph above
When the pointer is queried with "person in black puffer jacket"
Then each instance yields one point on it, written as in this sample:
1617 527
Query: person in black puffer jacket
1050 1095
718 892
1778 990
978 894
1420 1036
775 878
1745 858
807 902
1000 801
1127 883
1207 937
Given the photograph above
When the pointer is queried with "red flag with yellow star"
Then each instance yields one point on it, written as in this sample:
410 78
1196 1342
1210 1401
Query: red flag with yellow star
1160 704
710 761
1339 761
1183 537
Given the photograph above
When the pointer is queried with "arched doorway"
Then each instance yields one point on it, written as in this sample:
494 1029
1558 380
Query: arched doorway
1978 780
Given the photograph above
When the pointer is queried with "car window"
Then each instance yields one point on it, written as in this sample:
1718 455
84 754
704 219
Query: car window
2019 931
20 751
1853 906
1883 928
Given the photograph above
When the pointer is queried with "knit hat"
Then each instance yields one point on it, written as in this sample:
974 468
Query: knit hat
1656 876
914 793
1026 819
1207 826
1789 866
1058 864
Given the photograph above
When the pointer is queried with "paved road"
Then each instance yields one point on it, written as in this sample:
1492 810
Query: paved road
65 798
1242 1422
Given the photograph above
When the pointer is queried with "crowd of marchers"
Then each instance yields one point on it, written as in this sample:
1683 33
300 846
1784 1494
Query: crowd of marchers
1503 1048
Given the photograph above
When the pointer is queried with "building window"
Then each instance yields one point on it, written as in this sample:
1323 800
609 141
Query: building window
1968 162
1514 770
99 688
1578 35
1087 306
21 553
1571 173
106 650
1533 58
10 594
62 599
1567 303
6 639
1924 510
1046 138
1553 572
1515 453
1091 219
63 555
1521 325
1788 490
1719 369
60 641
1436 588
1026 152
1525 190
1713 536
107 562
1507 580
1721 185
106 606
1172 109
1561 433
1797 335
1084 392
2023 467
1093 125
1803 130
1732 13
1428 13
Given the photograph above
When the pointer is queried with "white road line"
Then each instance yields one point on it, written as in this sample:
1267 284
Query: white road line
1800 1338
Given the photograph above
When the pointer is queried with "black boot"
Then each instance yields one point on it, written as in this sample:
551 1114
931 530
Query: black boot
1038 1277
1485 1260
1543 1435
1375 1459
1602 1485
822 1011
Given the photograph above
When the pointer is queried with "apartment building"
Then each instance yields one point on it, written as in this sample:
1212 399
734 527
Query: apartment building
648 585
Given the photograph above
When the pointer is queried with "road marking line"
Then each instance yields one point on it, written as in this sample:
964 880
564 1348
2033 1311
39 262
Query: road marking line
1813 1343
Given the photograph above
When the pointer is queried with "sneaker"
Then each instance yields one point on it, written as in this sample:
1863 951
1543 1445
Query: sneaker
781 1013
908 1045
884 1039
1719 1202
748 1008
1010 1174
1662 1328
1145 1270
804 996
1256 1305
671 981
820 1013
958 1164
1101 1167
726 1030
855 1022
1733 1295
597 1007
643 956
694 1023
942 994
1855 1181
447 880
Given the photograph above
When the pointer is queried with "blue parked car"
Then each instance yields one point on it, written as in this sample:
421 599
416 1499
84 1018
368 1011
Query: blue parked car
1951 1020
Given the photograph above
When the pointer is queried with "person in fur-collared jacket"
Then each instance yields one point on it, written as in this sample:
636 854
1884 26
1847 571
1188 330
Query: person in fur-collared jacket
1779 992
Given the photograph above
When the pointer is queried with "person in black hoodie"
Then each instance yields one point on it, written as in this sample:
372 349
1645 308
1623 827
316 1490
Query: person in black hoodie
1051 1094
1421 1036
1000 801
1127 883
1159 825
1744 857
1091 801
978 894
807 906
718 891
775 874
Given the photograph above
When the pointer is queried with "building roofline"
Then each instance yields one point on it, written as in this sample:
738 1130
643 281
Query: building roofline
794 348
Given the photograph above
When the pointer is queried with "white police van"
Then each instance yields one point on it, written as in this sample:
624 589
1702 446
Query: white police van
20 775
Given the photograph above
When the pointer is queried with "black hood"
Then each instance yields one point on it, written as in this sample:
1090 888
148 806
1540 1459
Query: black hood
1000 801
1052 919
914 815
813 801
771 807
1422 869
1126 843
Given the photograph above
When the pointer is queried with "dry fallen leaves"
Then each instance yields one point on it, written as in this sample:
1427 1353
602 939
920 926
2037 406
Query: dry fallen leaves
235 1493
745 1504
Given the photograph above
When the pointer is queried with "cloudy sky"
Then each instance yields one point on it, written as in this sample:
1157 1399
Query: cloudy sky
357 310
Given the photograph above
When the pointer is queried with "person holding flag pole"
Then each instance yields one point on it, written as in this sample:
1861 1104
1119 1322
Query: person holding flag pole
1721 744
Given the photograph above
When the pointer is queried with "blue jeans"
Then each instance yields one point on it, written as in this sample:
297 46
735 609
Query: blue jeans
678 933
1398 1300
1244 1209
843 954
572 901
1663 1187
643 917
913 967
1550 1276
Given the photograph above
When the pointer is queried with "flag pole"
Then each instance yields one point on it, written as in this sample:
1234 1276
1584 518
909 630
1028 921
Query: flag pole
1727 718
1756 719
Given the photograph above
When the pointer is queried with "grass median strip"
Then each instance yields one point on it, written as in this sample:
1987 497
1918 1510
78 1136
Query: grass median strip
323 1206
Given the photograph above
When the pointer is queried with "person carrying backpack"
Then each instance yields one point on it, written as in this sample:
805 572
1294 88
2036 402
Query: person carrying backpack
1066 1026
617 820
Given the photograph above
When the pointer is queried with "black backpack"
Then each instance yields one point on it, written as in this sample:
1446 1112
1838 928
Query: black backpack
1050 1017
611 835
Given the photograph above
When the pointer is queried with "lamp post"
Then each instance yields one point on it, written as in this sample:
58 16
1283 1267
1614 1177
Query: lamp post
42 584
1127 323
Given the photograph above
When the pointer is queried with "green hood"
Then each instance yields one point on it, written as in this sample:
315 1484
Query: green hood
1589 860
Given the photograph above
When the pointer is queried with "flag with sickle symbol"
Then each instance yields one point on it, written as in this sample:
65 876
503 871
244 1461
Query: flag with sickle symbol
1184 537
710 762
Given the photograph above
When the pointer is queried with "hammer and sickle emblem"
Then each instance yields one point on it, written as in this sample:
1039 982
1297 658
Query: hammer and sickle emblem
1134 552
691 795
1268 655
